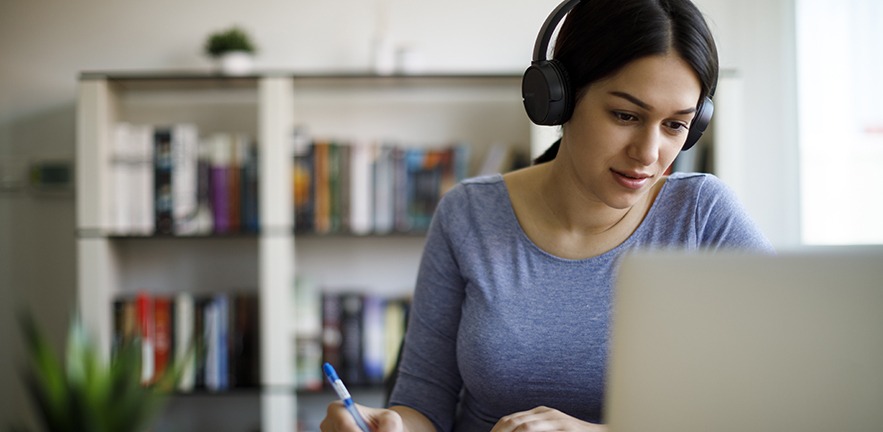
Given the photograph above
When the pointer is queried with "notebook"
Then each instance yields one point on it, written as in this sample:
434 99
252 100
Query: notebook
730 342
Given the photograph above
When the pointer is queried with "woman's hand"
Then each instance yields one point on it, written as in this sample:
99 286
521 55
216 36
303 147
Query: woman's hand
544 419
338 419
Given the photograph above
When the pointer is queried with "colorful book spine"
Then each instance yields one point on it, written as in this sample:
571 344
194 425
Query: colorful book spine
184 351
220 183
162 336
144 316
162 180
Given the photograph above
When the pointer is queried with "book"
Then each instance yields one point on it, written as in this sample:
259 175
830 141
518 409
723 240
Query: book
250 191
332 312
303 187
121 179
204 215
221 148
184 340
351 344
400 185
373 334
395 322
322 179
235 167
201 334
125 324
217 362
131 174
361 188
384 184
308 360
185 179
244 341
162 181
144 318
162 336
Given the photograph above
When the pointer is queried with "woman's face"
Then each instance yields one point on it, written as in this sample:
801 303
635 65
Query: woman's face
628 128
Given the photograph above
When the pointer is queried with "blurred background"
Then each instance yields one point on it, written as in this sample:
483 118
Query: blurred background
808 72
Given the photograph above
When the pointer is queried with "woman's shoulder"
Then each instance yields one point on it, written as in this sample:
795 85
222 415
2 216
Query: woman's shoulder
694 184
474 191
482 186
691 179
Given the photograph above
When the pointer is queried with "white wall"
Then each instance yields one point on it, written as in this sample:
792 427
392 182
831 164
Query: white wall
45 44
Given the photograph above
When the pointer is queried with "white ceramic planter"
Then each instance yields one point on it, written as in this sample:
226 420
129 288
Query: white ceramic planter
236 63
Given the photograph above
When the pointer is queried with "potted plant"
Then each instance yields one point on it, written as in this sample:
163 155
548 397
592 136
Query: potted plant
233 49
84 393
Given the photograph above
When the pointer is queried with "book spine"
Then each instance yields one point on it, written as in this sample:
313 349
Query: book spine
234 181
395 320
304 181
184 341
162 331
331 329
185 154
383 191
322 209
144 201
351 344
245 345
213 352
204 216
125 327
373 316
200 334
222 341
220 184
308 338
121 175
144 314
163 166
250 190
344 183
362 189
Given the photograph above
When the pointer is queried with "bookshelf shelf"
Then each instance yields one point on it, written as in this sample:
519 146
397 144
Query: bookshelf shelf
420 111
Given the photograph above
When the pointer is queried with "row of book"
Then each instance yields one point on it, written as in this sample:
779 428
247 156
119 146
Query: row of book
358 333
215 339
166 180
365 188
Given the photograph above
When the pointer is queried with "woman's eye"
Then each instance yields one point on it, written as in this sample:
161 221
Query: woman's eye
623 116
677 126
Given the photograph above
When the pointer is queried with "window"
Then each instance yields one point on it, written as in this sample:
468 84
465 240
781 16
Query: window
840 100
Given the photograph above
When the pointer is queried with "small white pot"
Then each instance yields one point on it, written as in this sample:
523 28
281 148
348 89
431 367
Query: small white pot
236 63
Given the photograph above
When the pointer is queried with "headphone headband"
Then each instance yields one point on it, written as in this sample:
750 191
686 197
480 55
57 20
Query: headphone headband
541 47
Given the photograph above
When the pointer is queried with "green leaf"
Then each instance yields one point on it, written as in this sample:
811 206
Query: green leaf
87 394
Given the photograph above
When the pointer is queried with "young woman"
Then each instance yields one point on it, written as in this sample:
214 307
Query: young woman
510 319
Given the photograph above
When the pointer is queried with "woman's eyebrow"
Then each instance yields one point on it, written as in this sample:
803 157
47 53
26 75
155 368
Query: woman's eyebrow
645 105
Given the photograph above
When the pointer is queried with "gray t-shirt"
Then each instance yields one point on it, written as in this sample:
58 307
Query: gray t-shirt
499 326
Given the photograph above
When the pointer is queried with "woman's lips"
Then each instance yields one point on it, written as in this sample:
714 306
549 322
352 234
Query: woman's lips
631 180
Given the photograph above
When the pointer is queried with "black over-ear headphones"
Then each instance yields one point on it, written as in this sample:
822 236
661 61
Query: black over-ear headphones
548 97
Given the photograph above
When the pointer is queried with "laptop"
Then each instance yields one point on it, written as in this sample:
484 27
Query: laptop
735 342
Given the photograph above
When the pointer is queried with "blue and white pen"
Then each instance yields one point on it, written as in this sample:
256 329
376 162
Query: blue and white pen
345 396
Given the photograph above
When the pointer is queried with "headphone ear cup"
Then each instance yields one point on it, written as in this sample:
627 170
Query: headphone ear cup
700 123
545 88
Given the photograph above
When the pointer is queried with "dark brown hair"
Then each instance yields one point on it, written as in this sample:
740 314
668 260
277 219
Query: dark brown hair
599 37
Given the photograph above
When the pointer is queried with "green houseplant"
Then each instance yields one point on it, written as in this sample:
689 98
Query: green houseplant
233 49
83 393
